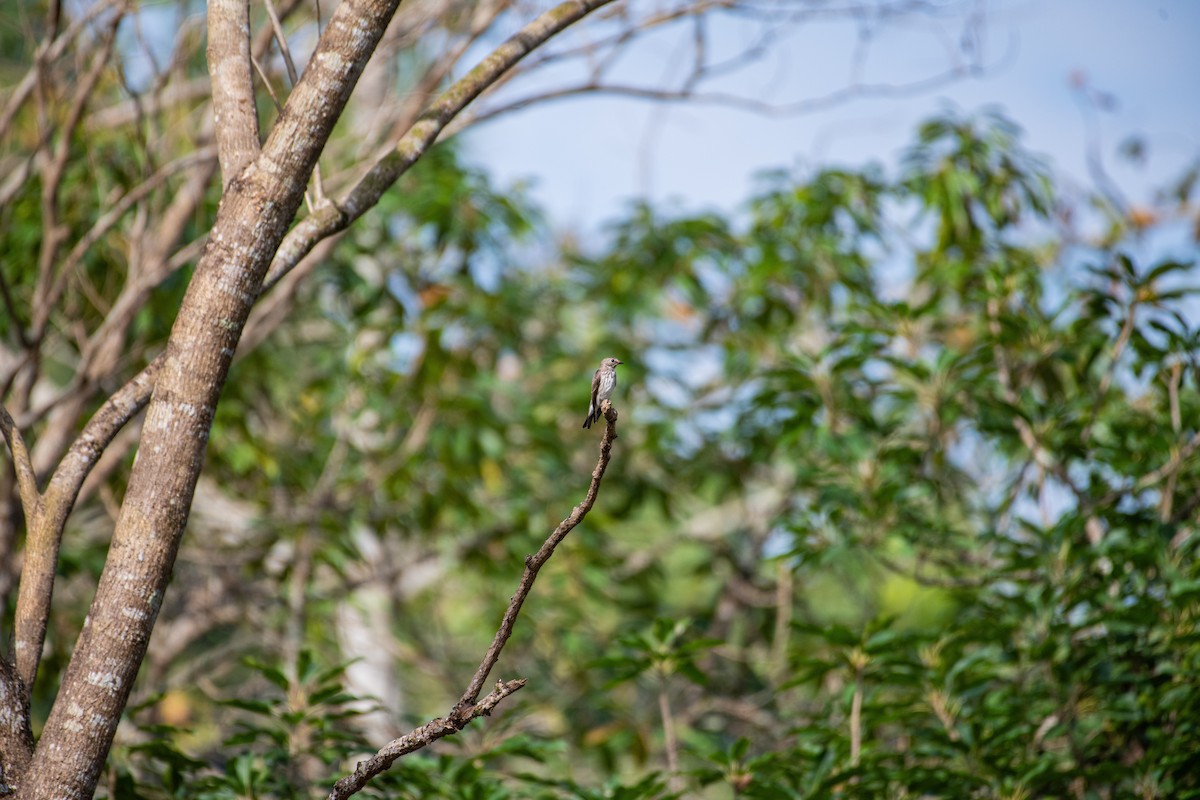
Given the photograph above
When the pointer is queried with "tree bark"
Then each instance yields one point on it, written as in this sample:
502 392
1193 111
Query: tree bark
235 116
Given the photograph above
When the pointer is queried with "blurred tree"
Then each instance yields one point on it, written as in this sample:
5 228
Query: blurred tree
898 534
907 480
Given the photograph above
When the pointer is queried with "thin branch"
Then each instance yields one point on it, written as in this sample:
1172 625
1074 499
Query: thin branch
1044 459
48 286
281 40
105 424
267 85
467 709
180 92
727 100
784 592
18 176
106 221
106 346
48 53
417 739
603 55
614 42
535 562
293 77
330 219
434 75
1184 452
31 499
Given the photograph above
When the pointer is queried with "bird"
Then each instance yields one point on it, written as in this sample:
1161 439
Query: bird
603 383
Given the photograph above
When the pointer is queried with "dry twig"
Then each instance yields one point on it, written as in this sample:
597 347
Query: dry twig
469 707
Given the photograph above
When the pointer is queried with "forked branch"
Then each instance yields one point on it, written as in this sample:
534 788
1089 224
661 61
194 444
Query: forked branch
469 707
45 528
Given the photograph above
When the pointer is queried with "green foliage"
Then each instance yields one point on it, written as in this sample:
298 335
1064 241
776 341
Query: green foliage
903 503
291 726
661 653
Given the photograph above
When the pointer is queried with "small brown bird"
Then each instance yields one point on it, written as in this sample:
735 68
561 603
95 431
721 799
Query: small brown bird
603 383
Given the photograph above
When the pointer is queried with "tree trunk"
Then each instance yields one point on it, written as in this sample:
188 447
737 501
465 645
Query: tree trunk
256 210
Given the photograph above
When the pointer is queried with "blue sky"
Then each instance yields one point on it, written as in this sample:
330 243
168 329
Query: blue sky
588 158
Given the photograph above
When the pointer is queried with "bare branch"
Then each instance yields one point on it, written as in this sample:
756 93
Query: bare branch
179 92
31 499
53 169
417 739
670 742
232 85
128 111
105 349
436 73
739 102
110 218
18 176
44 535
101 429
251 221
293 76
48 53
37 581
281 40
535 562
468 708
330 219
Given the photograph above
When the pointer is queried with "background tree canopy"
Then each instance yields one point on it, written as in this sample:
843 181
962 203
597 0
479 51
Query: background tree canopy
903 505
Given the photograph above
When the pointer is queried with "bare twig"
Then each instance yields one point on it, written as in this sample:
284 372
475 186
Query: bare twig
601 58
535 562
784 590
293 77
468 708
435 74
281 40
724 99
106 221
415 740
